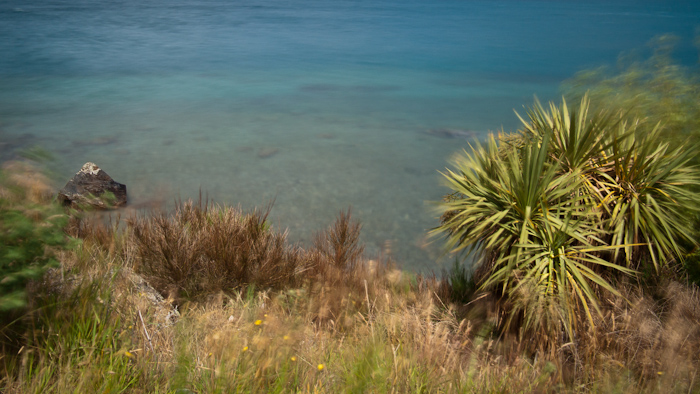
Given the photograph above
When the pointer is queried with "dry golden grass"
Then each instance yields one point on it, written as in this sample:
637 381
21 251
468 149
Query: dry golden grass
31 179
656 335
336 324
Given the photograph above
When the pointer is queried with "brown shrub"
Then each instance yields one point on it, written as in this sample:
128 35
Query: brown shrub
339 244
203 249
200 250
96 227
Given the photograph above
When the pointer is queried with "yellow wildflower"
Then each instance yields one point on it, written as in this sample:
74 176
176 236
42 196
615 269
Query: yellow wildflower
258 322
320 367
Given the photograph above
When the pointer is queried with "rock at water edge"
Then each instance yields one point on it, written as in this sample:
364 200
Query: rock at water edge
92 186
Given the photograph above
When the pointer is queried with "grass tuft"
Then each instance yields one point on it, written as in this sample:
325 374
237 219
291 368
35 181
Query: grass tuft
201 250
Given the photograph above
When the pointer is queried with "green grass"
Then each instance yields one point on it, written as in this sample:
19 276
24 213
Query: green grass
31 232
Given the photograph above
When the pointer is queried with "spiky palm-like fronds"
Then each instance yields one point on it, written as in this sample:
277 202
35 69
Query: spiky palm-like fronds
640 187
650 197
517 213
577 139
545 216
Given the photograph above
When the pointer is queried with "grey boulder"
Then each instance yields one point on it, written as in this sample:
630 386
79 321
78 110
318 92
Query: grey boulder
93 187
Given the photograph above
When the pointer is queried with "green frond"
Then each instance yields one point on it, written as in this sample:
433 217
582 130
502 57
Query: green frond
585 196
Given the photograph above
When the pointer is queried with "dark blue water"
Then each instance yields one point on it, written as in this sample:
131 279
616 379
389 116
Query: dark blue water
317 105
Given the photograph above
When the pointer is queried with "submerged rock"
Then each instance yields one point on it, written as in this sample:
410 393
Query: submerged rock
452 133
92 186
104 140
264 153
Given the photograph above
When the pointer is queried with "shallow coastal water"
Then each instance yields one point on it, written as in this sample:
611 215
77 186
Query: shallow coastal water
314 105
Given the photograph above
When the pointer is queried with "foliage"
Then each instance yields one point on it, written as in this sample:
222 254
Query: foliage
201 250
552 218
72 328
461 282
363 327
340 243
89 337
641 188
656 88
31 230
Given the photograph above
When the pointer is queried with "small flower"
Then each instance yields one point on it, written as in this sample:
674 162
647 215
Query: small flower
245 349
209 355
265 315
660 373
128 354
320 367
293 358
286 337
258 322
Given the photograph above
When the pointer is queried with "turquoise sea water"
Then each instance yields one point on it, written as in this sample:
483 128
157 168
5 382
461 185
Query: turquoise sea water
315 105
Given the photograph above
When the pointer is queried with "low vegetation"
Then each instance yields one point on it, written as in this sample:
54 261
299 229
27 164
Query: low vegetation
578 200
345 324
581 224
656 89
30 232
